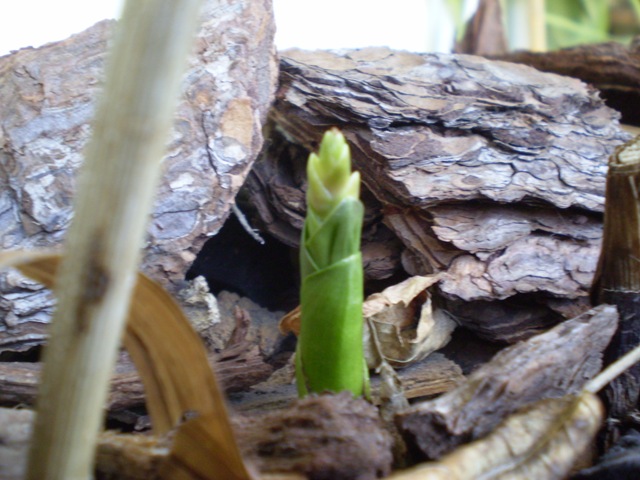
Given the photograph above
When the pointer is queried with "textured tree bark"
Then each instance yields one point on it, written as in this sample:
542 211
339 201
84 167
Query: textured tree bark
432 376
492 172
325 436
236 371
335 436
549 365
48 96
618 282
612 68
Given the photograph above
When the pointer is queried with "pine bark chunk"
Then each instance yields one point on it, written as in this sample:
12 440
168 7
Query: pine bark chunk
613 68
320 437
48 96
492 172
549 365
240 364
237 371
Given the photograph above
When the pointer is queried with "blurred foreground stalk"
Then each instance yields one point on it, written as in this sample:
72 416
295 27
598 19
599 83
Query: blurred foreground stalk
330 353
114 199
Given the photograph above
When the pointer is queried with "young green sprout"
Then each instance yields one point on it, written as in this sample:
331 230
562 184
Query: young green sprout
329 355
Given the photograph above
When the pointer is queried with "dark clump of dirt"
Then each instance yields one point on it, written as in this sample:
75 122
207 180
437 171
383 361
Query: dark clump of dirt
234 261
325 437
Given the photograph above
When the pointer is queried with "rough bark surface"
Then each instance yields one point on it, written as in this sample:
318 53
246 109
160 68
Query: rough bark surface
493 172
237 368
323 437
48 96
320 437
549 365
243 342
613 68
434 375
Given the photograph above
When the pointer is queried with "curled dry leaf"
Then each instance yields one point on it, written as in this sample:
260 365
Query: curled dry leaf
171 360
543 440
407 325
290 323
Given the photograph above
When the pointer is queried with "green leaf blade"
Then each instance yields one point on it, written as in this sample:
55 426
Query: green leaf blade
330 344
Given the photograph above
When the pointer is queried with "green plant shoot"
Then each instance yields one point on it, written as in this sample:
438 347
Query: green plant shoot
329 355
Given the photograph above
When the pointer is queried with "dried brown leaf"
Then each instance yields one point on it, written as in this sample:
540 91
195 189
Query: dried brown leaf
193 456
543 440
401 294
290 322
407 326
170 358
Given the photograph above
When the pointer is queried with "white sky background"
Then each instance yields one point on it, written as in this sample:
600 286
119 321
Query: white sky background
415 25
26 23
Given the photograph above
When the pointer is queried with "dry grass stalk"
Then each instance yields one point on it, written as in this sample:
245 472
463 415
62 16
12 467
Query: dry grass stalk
617 281
114 199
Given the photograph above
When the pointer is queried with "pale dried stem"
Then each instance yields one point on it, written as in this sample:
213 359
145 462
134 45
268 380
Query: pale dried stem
537 25
114 198
613 371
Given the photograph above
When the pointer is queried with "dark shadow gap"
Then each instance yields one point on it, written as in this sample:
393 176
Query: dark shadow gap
232 260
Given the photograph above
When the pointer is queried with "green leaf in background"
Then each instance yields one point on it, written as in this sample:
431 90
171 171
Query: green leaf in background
456 10
574 22
330 354
635 5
